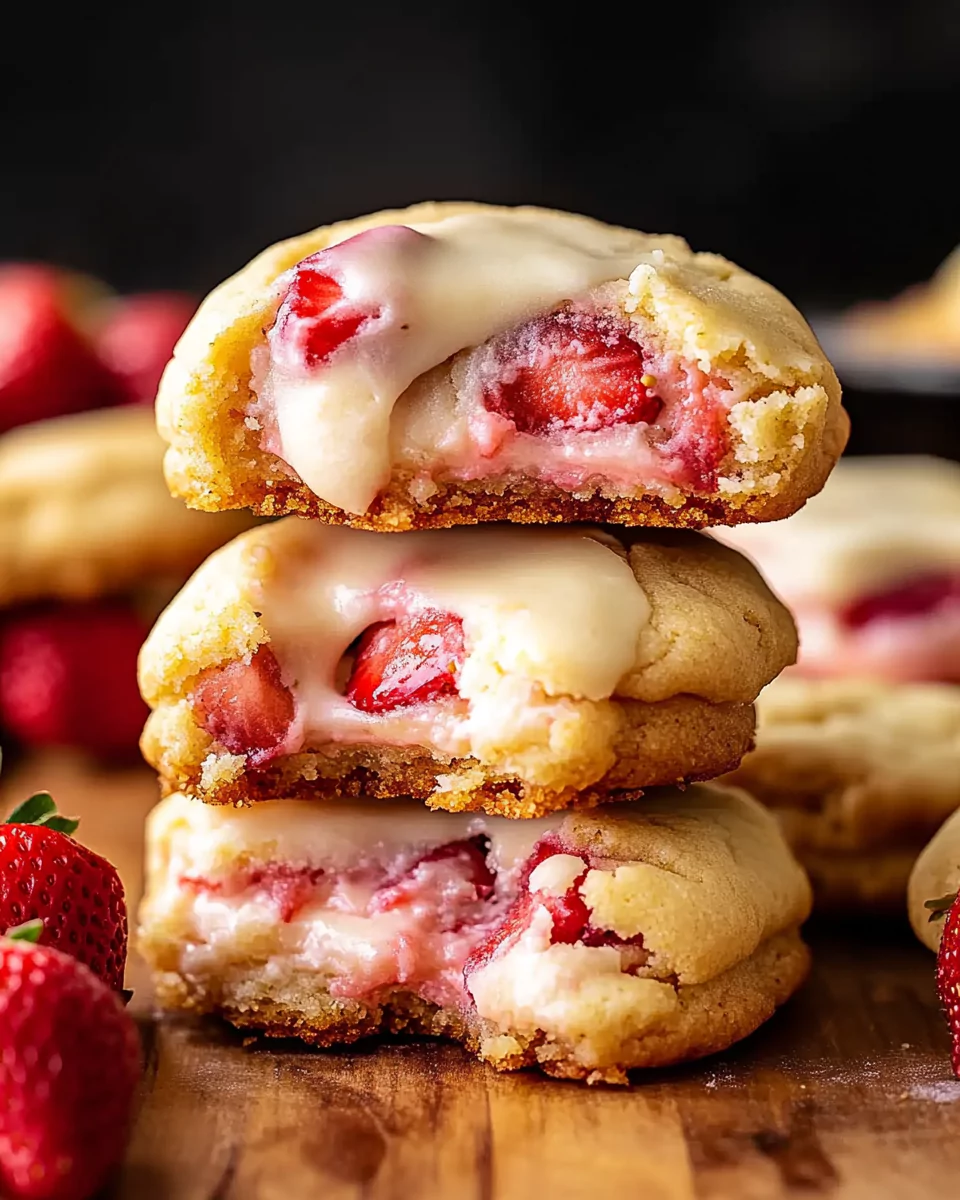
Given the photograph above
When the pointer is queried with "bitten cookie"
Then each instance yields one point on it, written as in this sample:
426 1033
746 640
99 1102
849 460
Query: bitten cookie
84 511
453 363
859 774
585 944
516 670
870 568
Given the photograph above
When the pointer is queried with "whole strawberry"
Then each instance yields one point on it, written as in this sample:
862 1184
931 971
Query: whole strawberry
48 365
77 894
69 1065
948 968
137 339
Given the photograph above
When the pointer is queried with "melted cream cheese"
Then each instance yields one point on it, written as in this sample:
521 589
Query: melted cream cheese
448 285
549 616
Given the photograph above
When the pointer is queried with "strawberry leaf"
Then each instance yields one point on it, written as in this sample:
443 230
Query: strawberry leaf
940 907
29 931
40 809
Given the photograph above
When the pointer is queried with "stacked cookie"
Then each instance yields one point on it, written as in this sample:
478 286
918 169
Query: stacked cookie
858 749
322 684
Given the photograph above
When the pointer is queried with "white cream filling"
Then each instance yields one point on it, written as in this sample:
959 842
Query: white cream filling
551 618
452 284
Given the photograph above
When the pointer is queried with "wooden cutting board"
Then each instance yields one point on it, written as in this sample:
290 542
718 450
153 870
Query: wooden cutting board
847 1093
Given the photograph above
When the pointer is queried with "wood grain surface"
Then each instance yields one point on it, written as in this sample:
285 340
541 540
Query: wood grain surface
847 1093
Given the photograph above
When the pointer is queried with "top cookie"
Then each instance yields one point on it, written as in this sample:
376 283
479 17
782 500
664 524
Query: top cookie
871 570
84 512
454 363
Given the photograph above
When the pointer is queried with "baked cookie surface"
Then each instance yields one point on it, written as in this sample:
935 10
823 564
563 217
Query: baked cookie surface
871 569
515 670
859 773
586 944
453 363
84 511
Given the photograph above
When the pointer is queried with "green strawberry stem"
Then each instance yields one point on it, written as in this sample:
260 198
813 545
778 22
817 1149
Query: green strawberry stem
940 907
40 809
29 931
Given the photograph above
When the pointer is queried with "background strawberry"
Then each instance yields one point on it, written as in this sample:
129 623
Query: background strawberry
77 894
69 1065
68 676
137 339
48 366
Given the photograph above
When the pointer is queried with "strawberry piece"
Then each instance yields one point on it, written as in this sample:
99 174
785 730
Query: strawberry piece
288 886
469 859
948 972
69 1066
912 598
413 660
571 370
246 707
68 677
47 366
46 875
137 340
699 439
314 318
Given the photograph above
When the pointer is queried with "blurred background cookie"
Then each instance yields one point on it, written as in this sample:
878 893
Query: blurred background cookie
91 544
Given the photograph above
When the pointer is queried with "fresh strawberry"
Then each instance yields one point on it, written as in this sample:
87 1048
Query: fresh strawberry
245 706
948 968
911 598
137 339
571 370
48 367
46 875
68 677
69 1066
413 660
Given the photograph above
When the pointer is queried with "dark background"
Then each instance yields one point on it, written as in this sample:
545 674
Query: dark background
811 140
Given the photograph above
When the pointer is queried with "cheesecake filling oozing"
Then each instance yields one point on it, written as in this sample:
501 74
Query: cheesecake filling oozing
556 372
489 642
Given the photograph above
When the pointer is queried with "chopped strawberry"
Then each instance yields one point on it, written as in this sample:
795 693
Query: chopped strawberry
912 598
48 368
948 969
137 341
245 706
288 886
572 370
69 1066
468 858
314 318
68 677
413 660
699 439
46 875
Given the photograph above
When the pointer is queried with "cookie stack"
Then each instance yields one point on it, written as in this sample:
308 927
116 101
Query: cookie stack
385 732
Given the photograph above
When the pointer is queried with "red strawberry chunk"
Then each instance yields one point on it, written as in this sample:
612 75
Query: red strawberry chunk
314 318
699 439
245 706
572 370
47 366
413 660
913 598
68 677
137 341
77 894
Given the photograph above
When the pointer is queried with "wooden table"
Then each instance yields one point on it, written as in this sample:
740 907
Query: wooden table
847 1093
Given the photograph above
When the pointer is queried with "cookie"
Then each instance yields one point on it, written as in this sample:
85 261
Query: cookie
871 570
512 669
84 511
935 876
586 944
859 773
449 364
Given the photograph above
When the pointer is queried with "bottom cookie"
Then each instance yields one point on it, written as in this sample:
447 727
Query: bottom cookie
587 944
